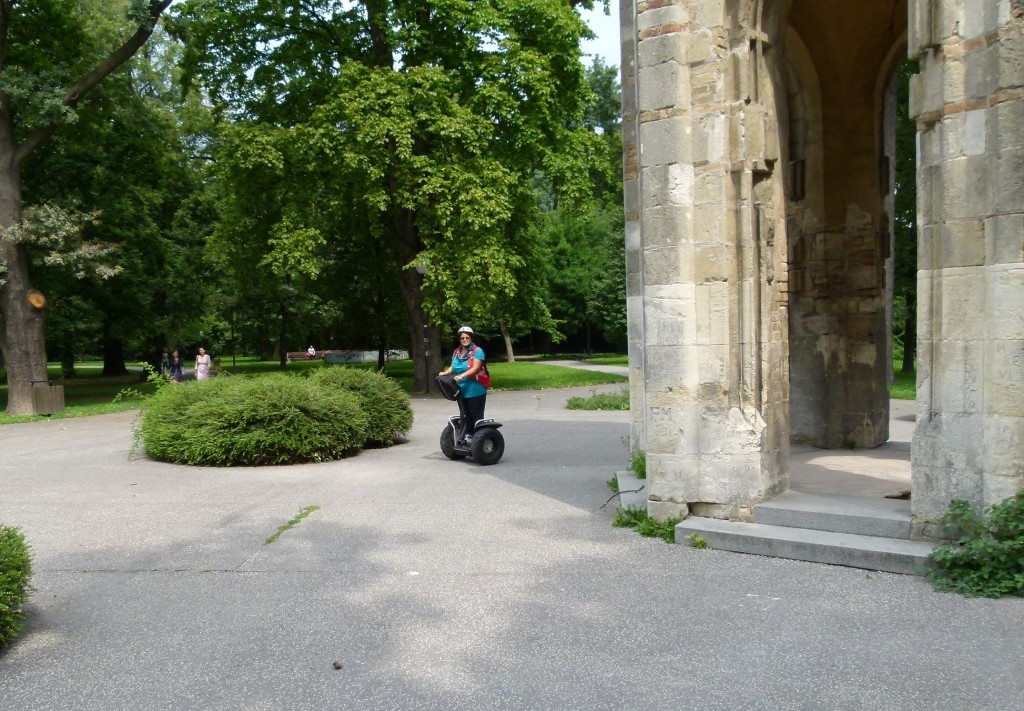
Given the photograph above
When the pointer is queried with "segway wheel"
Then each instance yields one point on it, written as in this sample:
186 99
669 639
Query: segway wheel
448 444
487 447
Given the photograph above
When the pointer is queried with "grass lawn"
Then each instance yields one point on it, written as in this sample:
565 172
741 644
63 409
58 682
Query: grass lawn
904 387
88 393
91 394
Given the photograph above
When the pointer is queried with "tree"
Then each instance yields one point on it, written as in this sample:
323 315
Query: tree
426 121
905 219
49 61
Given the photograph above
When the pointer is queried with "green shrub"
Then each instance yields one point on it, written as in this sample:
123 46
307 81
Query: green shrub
382 399
600 401
241 421
988 558
15 574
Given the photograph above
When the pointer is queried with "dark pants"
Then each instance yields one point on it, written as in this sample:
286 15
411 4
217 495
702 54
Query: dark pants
472 409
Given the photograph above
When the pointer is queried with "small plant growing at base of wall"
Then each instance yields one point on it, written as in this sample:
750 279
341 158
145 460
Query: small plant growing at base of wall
638 464
643 524
15 587
696 541
987 560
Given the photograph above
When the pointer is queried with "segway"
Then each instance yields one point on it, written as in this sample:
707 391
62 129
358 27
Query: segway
486 446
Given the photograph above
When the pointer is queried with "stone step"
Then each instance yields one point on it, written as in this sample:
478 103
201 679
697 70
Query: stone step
859 515
869 552
634 491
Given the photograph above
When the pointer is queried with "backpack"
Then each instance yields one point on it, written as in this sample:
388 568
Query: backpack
483 376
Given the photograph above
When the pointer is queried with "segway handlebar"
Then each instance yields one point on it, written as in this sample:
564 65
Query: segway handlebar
449 388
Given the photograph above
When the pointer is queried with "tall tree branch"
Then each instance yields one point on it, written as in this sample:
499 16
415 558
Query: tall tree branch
84 85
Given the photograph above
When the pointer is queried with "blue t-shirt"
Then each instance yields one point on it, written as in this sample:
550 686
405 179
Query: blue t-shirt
469 387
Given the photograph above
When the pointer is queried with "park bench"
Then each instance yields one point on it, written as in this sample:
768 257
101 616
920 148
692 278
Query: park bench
303 355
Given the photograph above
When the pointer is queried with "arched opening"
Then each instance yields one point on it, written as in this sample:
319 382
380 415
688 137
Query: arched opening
839 59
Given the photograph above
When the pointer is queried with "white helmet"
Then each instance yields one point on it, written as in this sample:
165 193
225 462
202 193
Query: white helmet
465 329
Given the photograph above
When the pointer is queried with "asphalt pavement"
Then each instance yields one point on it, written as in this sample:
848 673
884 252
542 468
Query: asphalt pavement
422 583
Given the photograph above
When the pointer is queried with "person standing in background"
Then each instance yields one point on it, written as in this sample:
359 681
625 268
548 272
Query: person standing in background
176 367
202 365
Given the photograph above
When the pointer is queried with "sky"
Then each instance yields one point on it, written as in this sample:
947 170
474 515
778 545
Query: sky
606 27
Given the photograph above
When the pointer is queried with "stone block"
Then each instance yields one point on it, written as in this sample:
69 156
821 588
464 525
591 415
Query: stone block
669 185
952 131
928 236
1004 239
920 33
665 85
946 19
709 138
1004 441
973 23
666 226
708 224
666 141
1006 132
975 132
700 48
954 82
662 266
713 262
981 72
712 13
672 431
673 369
929 147
670 476
635 323
954 190
926 90
634 237
631 198
1010 62
1007 182
963 244
948 376
1005 303
709 188
676 13
670 47
1005 374
714 313
962 304
671 321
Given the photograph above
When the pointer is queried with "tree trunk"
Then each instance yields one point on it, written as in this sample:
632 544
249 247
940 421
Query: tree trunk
22 334
424 338
113 350
282 334
509 355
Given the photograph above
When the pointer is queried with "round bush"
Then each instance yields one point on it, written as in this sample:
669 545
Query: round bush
15 574
240 421
381 397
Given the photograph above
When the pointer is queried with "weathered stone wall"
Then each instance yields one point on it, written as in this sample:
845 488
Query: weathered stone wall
706 256
969 104
758 229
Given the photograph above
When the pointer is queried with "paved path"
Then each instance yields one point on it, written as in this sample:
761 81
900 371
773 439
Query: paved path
445 585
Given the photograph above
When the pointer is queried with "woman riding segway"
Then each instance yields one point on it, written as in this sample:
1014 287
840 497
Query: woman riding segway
473 435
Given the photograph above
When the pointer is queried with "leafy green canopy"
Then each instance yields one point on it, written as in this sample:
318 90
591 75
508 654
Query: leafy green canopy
413 128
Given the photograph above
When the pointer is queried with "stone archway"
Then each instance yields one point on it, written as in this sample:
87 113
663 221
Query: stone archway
757 237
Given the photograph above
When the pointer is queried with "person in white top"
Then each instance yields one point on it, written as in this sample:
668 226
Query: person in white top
202 365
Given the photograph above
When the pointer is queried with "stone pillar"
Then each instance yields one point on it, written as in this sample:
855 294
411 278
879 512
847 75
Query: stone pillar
968 101
705 257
